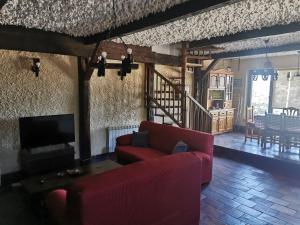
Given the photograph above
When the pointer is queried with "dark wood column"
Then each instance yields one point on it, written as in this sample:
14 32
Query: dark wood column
84 110
149 67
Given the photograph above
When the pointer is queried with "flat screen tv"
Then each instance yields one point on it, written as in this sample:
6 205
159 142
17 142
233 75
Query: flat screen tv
46 130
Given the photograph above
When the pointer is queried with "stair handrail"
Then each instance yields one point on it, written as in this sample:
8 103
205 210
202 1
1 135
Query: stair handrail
199 105
168 82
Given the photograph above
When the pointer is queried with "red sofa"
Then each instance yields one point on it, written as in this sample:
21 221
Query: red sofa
164 191
162 139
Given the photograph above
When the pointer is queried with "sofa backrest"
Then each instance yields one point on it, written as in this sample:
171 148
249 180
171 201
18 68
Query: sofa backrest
163 191
164 137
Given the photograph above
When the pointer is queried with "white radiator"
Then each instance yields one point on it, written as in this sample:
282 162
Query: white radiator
114 132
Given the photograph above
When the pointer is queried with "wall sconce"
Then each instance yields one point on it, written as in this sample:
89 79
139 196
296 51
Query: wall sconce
101 64
36 66
126 63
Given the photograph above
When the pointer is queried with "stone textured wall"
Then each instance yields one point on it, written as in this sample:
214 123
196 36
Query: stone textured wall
115 103
23 94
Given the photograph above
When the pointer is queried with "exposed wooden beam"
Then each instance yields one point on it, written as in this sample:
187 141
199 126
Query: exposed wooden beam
117 66
2 3
258 51
205 73
140 54
35 40
115 50
84 111
168 60
174 13
266 31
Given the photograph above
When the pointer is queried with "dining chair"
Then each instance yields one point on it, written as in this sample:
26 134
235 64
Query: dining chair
251 131
291 111
273 131
292 131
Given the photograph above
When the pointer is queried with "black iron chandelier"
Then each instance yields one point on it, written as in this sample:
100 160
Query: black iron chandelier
267 70
127 61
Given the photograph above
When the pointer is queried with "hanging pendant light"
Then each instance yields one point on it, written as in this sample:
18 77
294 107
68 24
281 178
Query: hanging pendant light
101 63
267 70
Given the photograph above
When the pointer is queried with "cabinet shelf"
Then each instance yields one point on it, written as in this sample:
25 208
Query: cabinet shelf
219 92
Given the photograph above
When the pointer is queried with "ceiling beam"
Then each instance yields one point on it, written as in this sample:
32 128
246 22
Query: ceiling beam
263 32
2 3
176 12
258 51
35 40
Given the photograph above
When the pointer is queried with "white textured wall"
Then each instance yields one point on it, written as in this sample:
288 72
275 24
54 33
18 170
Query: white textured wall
22 94
115 103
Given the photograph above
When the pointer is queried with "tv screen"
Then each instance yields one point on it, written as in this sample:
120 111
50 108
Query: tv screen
46 130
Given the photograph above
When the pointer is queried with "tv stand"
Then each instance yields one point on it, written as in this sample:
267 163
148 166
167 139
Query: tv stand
49 161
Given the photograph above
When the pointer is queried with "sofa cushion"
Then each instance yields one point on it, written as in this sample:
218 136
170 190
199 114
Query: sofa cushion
140 139
133 154
180 147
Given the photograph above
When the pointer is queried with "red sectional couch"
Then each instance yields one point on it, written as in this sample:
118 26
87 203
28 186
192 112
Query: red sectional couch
163 191
162 139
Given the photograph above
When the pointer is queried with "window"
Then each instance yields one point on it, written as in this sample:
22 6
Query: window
260 95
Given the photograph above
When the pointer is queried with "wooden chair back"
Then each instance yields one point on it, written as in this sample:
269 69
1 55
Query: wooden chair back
273 121
292 123
250 115
291 111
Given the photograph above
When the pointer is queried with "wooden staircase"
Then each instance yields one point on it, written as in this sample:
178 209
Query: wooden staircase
167 99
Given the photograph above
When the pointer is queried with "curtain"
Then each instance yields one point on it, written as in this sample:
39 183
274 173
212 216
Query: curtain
286 92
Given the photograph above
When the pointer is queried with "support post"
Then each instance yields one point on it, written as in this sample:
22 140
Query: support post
183 72
84 111
149 67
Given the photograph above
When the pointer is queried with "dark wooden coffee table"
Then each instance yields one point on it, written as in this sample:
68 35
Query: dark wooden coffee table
46 183
37 190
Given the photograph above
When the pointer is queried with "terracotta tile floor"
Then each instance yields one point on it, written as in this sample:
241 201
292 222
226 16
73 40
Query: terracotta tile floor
238 194
242 194
236 141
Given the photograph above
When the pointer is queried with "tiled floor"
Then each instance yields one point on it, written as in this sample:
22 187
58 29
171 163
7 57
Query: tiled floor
236 141
241 194
238 194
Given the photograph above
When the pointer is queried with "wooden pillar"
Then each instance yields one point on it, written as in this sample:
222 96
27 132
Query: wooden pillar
149 67
84 110
183 72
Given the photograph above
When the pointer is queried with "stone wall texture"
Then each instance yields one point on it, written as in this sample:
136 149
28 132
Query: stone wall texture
115 103
23 94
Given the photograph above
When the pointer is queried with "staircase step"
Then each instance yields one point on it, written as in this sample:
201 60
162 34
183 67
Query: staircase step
175 78
157 91
162 115
167 106
194 65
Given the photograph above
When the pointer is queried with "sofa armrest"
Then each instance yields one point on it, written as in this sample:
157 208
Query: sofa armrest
56 204
124 140
207 146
